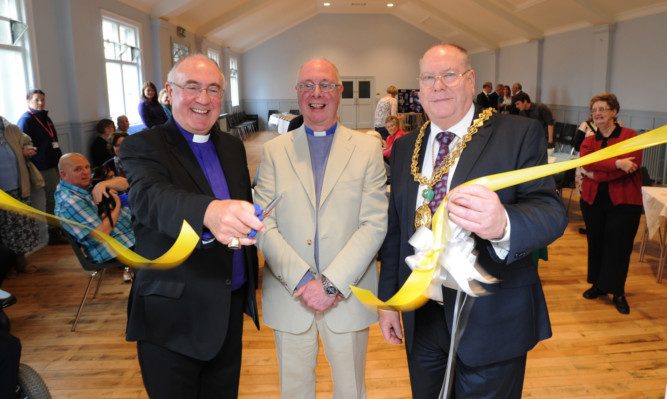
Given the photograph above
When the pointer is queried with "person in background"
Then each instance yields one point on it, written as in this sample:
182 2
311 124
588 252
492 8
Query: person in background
611 204
18 233
392 124
505 101
150 109
387 106
99 151
506 226
36 123
188 321
484 98
123 123
114 164
537 111
322 238
163 98
75 201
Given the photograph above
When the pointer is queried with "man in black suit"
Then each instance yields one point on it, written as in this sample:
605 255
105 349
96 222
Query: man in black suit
506 226
485 99
188 320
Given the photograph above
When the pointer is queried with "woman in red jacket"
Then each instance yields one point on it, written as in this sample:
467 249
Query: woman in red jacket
611 204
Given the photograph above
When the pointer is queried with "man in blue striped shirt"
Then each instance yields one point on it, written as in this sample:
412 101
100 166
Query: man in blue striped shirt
75 202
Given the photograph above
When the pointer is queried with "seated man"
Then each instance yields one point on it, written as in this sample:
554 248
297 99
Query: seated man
74 201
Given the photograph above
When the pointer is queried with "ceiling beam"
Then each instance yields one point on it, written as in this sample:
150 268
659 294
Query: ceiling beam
530 31
595 9
435 12
222 20
172 8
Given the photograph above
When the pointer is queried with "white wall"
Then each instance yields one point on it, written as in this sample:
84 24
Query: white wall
359 45
563 70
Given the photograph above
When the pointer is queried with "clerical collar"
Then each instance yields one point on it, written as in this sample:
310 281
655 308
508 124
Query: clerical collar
193 138
328 132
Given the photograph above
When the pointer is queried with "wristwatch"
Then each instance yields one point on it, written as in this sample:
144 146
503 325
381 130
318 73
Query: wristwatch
329 288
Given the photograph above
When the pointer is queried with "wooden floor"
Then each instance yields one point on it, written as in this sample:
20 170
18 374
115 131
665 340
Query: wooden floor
595 352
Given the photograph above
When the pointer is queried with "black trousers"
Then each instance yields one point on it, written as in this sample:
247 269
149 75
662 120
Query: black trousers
610 231
10 356
171 375
427 363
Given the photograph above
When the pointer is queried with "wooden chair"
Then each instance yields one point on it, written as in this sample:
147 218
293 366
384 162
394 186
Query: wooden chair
97 270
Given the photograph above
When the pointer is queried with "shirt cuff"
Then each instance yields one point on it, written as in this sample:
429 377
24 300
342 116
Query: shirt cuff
502 245
305 279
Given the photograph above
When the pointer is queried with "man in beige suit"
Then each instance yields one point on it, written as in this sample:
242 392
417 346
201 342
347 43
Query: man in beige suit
321 238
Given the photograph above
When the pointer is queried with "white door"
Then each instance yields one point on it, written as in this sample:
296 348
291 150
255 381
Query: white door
356 106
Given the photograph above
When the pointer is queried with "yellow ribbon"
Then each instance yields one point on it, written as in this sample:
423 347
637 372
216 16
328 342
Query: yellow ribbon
177 254
411 295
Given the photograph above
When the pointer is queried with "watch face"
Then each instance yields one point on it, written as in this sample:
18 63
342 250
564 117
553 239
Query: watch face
330 290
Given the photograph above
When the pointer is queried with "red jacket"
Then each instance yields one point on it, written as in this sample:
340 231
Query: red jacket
624 188
390 142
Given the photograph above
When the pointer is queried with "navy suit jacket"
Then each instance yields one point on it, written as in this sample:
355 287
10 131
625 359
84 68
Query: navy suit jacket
513 318
185 309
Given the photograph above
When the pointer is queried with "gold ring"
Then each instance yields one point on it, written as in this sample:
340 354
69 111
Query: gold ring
235 243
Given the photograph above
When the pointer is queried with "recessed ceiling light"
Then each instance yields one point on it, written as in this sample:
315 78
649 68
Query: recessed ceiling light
390 4
327 4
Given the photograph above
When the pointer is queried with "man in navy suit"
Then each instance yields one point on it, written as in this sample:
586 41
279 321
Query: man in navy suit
506 226
188 320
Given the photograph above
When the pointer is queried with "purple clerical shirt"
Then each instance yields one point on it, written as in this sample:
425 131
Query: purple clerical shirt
205 152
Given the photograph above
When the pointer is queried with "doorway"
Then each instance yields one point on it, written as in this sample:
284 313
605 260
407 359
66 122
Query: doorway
356 105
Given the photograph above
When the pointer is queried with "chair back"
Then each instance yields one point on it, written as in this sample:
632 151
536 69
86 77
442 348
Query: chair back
86 263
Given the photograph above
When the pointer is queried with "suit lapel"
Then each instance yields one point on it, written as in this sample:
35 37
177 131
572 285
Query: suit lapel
472 152
299 156
412 185
182 152
341 151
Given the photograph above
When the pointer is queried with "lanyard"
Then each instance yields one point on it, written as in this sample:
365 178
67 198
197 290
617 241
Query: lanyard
47 127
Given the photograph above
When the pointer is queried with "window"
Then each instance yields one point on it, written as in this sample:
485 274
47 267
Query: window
123 67
214 55
15 59
234 81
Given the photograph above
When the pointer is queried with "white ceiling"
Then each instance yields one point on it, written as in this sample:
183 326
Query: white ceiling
475 24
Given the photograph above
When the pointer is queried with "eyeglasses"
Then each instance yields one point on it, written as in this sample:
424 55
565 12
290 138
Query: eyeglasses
594 110
195 90
325 87
448 79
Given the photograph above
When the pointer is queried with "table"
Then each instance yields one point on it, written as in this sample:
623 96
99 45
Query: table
411 121
281 121
655 208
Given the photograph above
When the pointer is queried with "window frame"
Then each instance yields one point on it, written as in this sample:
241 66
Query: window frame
129 106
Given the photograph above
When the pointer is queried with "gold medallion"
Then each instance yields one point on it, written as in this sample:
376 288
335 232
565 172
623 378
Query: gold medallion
423 214
423 217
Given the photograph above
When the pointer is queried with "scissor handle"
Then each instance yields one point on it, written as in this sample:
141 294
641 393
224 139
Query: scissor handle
258 212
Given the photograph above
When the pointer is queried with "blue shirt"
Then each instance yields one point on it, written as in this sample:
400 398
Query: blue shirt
76 204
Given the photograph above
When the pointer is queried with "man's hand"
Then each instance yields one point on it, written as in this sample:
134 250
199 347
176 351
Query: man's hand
229 219
477 209
312 295
29 152
390 325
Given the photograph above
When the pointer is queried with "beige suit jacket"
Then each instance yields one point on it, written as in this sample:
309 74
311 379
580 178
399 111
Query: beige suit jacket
352 225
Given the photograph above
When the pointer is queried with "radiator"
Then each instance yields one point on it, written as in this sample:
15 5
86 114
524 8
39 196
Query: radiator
655 160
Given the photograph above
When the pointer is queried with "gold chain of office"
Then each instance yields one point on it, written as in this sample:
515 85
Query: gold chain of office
423 214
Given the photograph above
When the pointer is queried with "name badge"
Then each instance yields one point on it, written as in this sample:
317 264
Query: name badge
54 144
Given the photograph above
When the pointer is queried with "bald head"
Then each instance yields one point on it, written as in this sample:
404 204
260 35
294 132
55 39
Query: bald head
75 169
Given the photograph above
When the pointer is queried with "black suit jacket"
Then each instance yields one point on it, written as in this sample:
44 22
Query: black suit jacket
511 320
493 98
185 309
484 101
